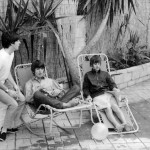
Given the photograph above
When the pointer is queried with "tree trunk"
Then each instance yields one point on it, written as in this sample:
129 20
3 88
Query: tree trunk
39 45
66 28
67 33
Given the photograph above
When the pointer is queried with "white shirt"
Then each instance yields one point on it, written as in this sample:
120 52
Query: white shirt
5 64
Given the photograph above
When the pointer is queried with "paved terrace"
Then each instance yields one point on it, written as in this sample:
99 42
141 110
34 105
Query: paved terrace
77 139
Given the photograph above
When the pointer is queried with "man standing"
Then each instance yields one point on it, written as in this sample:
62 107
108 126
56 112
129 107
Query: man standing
9 91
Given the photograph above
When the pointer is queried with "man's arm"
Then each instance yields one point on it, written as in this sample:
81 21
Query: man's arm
3 87
110 82
28 91
113 87
8 91
10 78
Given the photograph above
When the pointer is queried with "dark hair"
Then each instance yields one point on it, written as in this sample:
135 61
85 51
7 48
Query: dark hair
95 59
37 64
9 38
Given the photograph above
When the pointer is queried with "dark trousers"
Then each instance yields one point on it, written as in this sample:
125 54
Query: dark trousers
40 98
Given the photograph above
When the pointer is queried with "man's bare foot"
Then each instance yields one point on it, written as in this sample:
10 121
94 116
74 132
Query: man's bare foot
127 127
119 127
72 103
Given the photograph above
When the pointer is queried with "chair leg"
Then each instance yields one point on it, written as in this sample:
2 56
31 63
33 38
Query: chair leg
97 114
91 112
80 121
51 120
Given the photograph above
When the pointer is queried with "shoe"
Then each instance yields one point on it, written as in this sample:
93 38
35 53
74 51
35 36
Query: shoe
2 136
12 130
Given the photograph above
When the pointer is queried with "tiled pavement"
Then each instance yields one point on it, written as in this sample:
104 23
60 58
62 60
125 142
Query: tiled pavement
80 138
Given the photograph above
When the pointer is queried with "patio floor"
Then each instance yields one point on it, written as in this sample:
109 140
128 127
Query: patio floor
80 138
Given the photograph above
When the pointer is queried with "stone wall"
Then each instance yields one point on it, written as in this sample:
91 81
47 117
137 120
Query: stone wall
131 76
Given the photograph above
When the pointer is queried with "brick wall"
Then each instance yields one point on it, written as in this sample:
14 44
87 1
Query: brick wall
131 76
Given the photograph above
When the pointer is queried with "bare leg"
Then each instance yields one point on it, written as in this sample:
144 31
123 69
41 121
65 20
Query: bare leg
121 116
10 113
112 119
119 113
18 113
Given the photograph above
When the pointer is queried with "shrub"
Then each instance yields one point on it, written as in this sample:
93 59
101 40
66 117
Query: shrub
130 55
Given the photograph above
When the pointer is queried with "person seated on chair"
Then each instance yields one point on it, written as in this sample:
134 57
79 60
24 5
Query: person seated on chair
96 87
9 91
43 90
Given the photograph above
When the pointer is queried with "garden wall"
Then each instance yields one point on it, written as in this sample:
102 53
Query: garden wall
130 76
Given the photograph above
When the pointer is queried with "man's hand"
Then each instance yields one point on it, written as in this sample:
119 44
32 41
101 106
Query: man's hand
56 92
116 89
13 94
62 93
16 87
89 98
117 96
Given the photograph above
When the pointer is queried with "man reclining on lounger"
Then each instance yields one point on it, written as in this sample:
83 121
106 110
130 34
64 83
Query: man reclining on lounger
96 87
42 90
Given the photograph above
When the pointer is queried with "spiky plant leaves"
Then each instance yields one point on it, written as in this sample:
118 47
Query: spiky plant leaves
14 20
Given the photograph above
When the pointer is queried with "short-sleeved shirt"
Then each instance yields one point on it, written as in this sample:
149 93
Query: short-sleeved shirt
5 64
96 83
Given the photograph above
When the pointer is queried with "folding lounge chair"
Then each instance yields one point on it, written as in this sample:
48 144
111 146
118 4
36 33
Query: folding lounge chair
23 74
84 66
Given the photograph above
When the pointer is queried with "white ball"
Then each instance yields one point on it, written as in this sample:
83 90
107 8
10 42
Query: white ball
99 131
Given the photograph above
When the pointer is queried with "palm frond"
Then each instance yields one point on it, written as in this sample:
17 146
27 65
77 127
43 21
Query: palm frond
99 7
10 15
15 16
36 12
3 25
57 36
26 45
21 15
50 12
49 6
41 8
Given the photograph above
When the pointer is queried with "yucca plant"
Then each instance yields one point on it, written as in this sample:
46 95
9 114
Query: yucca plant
14 20
42 15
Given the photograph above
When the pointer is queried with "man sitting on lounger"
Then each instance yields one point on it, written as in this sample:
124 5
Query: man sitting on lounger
98 86
42 90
